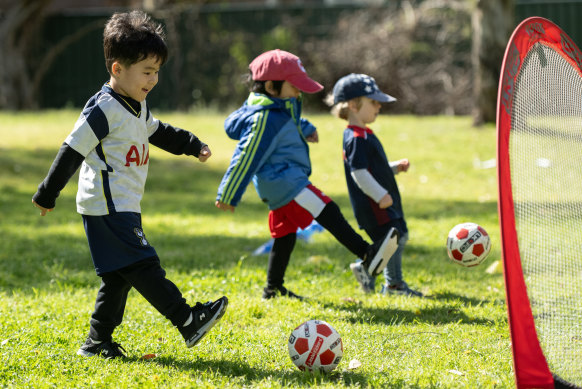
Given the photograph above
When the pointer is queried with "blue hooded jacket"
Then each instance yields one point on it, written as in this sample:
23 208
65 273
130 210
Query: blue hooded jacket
272 150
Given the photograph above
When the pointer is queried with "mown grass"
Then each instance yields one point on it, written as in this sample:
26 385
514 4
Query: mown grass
456 337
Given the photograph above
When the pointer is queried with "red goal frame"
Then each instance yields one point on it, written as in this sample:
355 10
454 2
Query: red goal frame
530 365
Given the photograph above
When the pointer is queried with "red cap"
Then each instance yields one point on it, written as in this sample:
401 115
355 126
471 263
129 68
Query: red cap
279 65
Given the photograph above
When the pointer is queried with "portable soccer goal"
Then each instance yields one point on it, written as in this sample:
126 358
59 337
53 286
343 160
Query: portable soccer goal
539 159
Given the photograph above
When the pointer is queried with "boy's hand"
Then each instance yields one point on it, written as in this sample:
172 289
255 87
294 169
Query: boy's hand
224 206
314 138
205 153
385 201
43 210
403 165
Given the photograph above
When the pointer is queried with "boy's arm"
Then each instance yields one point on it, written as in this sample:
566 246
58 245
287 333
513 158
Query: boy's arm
401 165
368 184
307 128
309 131
63 168
177 141
371 187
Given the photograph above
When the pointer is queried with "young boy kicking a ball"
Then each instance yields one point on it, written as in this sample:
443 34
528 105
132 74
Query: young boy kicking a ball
272 150
110 141
370 178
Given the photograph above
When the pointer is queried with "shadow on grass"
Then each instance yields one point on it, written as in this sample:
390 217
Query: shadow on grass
251 374
356 313
54 248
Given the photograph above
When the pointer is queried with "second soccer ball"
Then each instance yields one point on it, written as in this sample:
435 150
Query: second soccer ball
468 244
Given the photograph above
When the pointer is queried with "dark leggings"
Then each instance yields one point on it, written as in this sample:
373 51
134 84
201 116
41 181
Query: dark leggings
149 279
332 220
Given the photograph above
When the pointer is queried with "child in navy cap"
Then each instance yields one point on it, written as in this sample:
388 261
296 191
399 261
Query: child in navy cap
272 151
370 177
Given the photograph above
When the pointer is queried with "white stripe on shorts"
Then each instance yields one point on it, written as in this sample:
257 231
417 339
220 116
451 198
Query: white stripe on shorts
310 201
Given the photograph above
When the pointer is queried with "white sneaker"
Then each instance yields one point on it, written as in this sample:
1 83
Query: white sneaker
378 255
363 278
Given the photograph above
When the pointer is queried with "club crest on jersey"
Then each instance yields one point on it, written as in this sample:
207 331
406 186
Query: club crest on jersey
141 236
134 156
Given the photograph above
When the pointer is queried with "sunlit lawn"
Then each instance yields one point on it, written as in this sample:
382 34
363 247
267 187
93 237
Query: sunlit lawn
456 337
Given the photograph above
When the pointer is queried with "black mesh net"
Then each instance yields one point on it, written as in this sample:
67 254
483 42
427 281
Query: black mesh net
545 150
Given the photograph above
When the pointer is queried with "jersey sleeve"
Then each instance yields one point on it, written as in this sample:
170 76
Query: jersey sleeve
152 123
176 141
355 153
91 127
63 168
368 184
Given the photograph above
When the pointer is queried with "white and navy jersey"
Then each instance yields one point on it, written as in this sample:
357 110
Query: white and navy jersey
114 142
110 141
363 150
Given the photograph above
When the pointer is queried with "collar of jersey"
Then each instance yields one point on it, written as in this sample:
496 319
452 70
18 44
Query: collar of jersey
361 130
265 101
126 102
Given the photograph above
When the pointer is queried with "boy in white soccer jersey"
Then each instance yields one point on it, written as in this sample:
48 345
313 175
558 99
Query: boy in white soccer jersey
110 141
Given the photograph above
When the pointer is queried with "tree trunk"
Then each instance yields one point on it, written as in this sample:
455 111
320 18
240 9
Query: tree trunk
20 23
492 23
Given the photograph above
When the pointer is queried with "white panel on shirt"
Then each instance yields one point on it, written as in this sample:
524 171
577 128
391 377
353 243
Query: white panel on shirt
127 141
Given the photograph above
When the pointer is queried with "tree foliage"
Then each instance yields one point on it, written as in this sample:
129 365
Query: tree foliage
434 56
26 56
492 23
19 28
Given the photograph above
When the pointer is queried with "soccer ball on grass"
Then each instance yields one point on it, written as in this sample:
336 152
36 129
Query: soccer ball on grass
315 345
468 244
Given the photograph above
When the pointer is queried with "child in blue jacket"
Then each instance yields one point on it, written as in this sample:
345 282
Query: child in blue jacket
272 150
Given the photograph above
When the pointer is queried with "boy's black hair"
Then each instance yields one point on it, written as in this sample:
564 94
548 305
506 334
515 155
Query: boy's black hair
259 86
132 37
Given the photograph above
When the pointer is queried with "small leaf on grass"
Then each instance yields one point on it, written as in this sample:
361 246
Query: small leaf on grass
318 260
354 364
148 356
456 372
351 300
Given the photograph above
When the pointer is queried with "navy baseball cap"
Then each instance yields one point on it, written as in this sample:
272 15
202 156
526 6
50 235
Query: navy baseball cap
357 85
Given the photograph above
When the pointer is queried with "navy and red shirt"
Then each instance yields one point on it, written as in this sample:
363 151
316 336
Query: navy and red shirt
363 150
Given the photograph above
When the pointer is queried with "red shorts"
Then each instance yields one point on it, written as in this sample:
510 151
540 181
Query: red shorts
288 218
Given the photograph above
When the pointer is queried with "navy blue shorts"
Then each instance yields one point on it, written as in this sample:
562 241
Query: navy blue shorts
116 241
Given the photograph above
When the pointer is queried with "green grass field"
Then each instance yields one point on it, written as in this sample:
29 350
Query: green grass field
457 337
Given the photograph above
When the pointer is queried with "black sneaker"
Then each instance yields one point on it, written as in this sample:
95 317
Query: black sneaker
269 293
107 350
380 252
204 317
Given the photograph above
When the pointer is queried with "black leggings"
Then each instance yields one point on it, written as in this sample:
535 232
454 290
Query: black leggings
149 279
332 220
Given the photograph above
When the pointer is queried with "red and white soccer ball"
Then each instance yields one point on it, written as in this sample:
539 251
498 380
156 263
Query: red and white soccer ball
315 345
468 244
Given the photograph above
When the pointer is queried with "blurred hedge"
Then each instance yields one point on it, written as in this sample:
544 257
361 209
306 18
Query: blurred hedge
418 52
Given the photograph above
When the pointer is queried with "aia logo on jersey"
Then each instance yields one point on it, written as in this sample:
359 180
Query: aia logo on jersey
133 155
